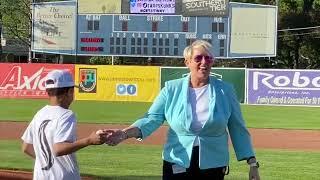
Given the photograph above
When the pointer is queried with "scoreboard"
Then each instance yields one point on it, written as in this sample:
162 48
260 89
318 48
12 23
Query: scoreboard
149 35
242 31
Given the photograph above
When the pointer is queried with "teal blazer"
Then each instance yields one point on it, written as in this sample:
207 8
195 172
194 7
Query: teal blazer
225 117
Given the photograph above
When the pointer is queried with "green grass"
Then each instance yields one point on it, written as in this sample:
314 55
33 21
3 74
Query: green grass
126 112
144 162
283 117
86 111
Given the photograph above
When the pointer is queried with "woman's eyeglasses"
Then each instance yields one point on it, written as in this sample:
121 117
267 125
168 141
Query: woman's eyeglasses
198 58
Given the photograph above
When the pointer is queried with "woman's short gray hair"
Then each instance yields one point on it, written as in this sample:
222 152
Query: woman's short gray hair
187 53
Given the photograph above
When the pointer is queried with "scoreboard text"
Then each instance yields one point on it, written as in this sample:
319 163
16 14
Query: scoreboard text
149 35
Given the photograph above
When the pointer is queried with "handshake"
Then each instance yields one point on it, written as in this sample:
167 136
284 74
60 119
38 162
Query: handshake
111 137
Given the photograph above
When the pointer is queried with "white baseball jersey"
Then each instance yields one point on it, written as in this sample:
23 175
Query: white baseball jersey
52 124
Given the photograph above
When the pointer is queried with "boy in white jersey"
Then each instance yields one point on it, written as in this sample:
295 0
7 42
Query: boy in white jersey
51 138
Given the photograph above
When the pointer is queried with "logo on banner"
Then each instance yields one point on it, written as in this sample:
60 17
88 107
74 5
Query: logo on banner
286 81
127 89
133 3
26 80
88 80
14 80
152 6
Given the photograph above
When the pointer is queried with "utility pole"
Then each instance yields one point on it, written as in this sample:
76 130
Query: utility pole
0 35
30 54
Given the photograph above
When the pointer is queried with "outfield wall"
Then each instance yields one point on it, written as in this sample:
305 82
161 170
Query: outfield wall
235 76
143 83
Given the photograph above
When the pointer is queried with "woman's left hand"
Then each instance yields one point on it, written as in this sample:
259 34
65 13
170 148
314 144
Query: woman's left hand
254 173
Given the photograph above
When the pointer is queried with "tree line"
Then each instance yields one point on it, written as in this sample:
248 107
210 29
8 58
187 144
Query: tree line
298 36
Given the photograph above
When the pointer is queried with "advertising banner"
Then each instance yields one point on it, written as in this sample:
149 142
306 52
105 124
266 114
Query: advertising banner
152 6
117 83
99 6
284 87
257 32
205 8
54 27
19 80
235 76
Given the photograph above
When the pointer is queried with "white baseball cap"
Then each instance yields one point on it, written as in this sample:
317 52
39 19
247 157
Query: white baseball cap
59 79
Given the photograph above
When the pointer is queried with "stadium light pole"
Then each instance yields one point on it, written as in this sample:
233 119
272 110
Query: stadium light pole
0 36
277 16
30 56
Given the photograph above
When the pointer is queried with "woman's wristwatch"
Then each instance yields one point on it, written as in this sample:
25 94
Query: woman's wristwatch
252 162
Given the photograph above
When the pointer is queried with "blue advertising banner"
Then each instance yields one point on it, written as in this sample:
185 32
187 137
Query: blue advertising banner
283 87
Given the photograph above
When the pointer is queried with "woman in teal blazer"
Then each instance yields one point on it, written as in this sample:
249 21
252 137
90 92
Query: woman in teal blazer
201 112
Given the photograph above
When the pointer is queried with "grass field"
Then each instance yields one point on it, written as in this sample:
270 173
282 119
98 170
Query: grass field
126 112
144 162
138 162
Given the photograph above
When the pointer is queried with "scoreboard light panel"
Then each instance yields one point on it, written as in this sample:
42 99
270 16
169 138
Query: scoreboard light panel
149 35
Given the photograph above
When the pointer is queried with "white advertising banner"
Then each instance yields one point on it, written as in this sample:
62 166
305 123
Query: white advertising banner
256 34
54 26
99 6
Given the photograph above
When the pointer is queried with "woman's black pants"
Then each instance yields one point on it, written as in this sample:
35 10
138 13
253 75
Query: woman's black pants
193 171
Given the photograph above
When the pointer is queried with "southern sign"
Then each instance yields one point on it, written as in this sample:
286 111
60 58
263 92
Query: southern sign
215 8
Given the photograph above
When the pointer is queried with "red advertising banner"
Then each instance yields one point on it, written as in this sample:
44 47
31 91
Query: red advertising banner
26 80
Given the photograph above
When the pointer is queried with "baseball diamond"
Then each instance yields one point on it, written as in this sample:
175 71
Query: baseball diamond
262 138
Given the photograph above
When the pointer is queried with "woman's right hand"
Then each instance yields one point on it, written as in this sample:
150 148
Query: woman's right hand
115 137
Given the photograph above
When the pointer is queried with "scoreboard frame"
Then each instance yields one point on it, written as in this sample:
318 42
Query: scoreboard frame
163 35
